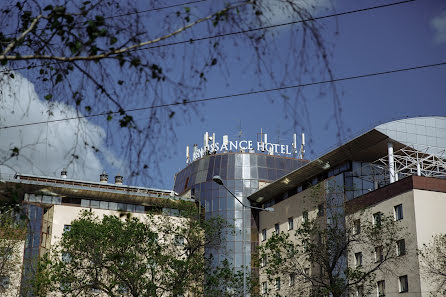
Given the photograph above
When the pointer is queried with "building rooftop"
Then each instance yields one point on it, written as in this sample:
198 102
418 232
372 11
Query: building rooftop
25 183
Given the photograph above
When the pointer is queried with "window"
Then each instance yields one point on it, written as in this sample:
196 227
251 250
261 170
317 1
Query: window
122 289
276 228
377 217
4 281
403 284
277 284
398 212
290 224
64 286
358 259
360 291
292 279
66 257
263 234
320 210
263 261
381 286
264 288
179 240
66 228
401 247
378 254
356 227
305 217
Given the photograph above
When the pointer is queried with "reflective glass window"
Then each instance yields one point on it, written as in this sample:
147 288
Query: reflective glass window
254 174
263 173
271 174
261 160
270 162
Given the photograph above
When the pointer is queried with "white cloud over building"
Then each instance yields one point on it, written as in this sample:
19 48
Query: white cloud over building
44 149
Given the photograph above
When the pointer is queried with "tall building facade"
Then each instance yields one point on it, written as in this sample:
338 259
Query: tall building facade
243 172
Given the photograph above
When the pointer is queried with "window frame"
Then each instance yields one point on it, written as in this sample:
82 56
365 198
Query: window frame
381 285
263 261
264 288
358 255
357 227
305 217
398 212
290 223
379 252
66 228
403 284
277 284
399 251
263 235
377 219
292 279
277 228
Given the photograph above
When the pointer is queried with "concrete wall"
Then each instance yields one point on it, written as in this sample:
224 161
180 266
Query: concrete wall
404 265
15 271
293 207
430 220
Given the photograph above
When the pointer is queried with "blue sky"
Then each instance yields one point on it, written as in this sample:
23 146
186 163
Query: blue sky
372 41
400 36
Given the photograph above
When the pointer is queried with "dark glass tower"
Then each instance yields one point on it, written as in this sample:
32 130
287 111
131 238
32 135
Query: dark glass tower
242 173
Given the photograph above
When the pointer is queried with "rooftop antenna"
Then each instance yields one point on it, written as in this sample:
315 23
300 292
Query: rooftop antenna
294 143
187 155
302 147
195 150
262 144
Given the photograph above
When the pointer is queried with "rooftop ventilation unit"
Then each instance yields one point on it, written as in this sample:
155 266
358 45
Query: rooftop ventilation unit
103 178
63 173
118 179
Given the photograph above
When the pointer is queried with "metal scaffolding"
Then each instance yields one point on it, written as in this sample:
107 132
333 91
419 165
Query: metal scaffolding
424 161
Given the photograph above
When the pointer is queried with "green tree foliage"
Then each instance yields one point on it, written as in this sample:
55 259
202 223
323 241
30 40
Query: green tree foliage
12 239
158 256
433 264
319 256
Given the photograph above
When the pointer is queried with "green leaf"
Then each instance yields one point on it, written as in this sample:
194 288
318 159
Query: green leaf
14 152
113 40
187 9
214 61
11 75
120 82
59 78
109 117
48 97
135 61
48 7
88 108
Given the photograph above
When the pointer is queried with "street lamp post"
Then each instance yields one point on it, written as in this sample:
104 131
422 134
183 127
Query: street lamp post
217 179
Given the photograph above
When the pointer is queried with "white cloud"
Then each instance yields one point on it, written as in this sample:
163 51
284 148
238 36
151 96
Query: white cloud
47 148
439 25
279 10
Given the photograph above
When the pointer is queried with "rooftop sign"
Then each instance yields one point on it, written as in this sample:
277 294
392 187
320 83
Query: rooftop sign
242 146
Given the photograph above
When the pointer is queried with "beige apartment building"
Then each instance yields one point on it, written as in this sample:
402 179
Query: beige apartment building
417 203
396 170
51 204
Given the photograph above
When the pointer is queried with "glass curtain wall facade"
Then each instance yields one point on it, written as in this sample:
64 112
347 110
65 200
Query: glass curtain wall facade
241 174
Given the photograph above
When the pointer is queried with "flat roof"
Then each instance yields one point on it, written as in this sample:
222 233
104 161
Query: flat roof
25 183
